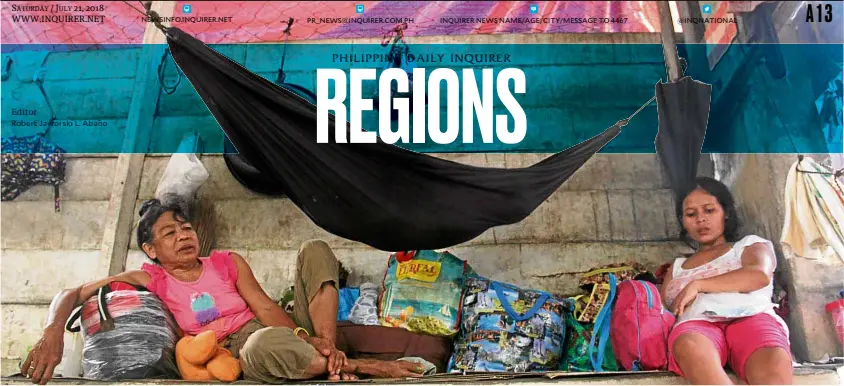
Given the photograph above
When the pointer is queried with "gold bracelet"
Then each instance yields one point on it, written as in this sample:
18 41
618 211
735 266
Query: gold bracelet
296 331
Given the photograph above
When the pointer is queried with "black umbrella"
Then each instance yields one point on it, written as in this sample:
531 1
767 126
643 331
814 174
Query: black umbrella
683 109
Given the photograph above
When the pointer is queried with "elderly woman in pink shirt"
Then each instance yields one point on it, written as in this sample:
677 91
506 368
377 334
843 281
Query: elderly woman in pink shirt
722 297
220 293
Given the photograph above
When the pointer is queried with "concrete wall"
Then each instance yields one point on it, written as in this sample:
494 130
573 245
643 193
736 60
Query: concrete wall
758 183
44 251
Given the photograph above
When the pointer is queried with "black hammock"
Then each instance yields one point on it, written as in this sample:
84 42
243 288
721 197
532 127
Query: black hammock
379 194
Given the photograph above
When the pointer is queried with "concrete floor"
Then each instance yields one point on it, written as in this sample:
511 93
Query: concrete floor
826 375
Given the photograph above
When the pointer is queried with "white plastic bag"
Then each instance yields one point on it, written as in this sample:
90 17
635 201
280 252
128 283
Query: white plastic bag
71 364
182 177
365 310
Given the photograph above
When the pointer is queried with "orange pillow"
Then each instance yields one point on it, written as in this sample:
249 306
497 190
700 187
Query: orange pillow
199 358
224 366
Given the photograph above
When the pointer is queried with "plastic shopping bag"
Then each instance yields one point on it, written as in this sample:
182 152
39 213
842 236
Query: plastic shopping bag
365 310
423 291
182 177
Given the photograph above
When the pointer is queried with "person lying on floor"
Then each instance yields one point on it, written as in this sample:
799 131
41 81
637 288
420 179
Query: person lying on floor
722 296
220 292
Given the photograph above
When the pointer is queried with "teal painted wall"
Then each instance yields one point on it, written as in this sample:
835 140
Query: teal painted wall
576 91
755 111
591 86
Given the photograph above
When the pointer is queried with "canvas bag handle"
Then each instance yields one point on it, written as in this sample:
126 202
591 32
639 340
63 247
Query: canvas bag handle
509 309
601 329
106 322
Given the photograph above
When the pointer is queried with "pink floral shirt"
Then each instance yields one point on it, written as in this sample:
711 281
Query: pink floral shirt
212 302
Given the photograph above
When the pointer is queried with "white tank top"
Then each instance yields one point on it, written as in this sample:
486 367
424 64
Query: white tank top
722 306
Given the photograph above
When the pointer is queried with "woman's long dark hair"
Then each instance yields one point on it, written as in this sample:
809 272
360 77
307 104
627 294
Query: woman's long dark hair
716 188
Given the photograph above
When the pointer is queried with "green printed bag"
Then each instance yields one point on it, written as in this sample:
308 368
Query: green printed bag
577 348
423 291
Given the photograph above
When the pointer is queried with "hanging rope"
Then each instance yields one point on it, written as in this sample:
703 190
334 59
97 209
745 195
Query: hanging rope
397 32
169 90
836 174
683 66
280 78
133 7
624 122
155 18
38 78
151 15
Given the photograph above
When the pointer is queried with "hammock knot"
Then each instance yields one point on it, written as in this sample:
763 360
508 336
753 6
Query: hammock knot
156 20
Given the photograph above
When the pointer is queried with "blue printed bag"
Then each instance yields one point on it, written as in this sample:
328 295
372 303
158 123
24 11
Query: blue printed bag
509 329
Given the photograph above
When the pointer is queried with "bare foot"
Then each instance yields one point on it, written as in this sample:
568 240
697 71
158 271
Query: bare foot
343 377
400 369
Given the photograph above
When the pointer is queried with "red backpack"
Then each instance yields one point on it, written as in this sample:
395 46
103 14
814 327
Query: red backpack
640 327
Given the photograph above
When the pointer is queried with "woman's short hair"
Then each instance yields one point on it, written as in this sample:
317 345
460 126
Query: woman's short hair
716 188
152 209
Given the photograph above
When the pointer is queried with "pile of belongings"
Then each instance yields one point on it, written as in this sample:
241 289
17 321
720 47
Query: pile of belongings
434 306
431 306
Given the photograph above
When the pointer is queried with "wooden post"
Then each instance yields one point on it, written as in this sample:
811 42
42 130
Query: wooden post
669 41
130 163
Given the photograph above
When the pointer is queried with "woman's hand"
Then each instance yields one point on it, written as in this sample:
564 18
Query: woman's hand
44 357
686 297
336 359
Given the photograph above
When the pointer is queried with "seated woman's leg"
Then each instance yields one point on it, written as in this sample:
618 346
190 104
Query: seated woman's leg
759 350
698 353
316 296
274 354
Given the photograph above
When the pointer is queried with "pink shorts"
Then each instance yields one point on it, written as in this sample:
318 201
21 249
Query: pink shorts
735 340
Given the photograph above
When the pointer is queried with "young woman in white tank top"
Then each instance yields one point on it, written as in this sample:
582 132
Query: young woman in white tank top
722 297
